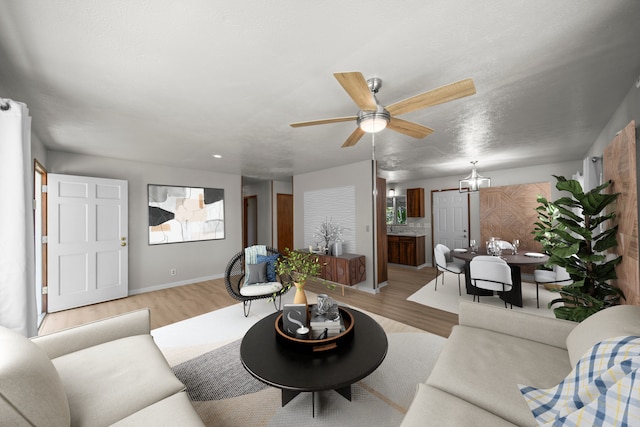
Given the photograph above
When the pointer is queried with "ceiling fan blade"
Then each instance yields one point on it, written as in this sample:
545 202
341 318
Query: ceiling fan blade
323 121
353 138
434 97
409 128
358 89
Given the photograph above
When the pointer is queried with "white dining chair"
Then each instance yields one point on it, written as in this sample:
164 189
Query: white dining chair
490 273
444 262
558 276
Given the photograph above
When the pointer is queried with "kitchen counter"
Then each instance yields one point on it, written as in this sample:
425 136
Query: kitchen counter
406 233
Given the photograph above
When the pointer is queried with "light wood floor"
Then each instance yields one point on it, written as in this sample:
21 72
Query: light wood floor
172 305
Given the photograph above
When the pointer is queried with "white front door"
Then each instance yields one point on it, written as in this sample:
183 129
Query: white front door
450 219
88 240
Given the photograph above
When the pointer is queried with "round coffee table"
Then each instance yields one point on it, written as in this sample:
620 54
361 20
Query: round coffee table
294 371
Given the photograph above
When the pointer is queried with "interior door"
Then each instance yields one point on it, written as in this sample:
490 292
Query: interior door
88 240
285 221
450 211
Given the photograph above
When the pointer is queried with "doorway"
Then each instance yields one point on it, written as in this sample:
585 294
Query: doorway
250 223
285 221
450 218
40 238
87 240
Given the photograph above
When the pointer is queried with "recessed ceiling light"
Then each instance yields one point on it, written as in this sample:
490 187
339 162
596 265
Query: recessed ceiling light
217 156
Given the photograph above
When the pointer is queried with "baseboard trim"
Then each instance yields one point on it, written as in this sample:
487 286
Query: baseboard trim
173 284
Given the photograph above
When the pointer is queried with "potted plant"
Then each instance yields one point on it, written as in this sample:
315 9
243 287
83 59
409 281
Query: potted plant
297 267
570 230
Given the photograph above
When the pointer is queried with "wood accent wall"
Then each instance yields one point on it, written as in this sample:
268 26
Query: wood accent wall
508 212
620 168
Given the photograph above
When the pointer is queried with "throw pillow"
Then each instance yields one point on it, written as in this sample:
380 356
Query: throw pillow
257 273
271 265
250 255
600 390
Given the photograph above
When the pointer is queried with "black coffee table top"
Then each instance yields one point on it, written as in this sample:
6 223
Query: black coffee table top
285 368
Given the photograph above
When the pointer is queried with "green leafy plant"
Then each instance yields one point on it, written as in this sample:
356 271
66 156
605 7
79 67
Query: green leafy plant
569 230
298 266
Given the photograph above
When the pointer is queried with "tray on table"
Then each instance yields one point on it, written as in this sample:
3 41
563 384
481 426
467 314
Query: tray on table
317 345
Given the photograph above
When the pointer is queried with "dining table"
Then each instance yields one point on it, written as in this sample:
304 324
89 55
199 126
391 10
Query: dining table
514 260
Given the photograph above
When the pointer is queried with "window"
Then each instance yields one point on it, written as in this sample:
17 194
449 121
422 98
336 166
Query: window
396 210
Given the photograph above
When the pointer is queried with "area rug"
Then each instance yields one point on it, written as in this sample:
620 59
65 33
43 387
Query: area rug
446 297
204 354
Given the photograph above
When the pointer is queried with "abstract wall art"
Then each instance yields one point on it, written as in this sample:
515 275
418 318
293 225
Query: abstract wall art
185 214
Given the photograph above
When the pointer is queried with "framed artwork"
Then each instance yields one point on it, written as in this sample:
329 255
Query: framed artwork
185 214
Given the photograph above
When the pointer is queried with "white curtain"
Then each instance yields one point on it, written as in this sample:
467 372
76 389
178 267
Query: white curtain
17 289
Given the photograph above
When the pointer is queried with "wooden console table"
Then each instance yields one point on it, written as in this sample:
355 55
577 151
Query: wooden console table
345 269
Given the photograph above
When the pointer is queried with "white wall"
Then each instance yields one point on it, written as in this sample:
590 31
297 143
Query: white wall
358 175
540 173
629 109
38 150
149 265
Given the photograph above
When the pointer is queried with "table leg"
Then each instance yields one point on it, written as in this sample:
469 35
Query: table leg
514 296
345 392
288 395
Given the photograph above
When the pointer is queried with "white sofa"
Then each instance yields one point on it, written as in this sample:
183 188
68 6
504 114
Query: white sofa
108 372
492 350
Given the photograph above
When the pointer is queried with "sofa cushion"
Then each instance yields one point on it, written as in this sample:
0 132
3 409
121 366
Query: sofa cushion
485 368
111 381
545 330
175 410
435 407
259 289
31 392
612 322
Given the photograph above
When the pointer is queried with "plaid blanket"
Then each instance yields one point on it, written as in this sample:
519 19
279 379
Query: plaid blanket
602 390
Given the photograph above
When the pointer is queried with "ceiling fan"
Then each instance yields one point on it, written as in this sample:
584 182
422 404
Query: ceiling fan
374 117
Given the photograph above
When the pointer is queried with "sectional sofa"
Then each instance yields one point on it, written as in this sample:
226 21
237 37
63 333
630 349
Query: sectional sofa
108 372
492 350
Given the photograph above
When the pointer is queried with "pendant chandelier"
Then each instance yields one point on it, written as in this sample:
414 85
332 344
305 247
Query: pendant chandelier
474 181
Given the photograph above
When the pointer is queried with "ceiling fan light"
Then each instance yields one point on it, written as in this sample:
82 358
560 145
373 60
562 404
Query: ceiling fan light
373 125
373 121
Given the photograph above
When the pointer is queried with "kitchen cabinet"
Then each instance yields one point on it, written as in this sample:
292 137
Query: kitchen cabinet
415 202
407 250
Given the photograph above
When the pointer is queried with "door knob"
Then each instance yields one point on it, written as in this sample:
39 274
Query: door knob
123 244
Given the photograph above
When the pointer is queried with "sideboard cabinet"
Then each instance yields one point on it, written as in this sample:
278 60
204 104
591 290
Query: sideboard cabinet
345 269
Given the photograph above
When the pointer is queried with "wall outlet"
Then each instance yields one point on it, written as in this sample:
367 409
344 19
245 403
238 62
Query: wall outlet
173 271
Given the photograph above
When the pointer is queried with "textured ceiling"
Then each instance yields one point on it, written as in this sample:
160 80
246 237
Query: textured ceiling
174 82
